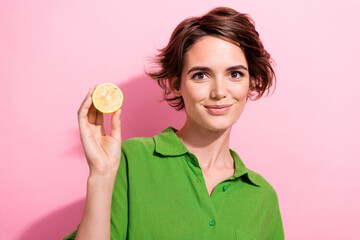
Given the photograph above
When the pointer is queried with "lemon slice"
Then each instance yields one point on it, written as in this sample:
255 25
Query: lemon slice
107 98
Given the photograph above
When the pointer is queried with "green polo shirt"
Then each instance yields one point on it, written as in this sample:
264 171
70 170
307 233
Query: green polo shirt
160 193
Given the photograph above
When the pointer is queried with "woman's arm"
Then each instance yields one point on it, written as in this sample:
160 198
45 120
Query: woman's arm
103 153
95 222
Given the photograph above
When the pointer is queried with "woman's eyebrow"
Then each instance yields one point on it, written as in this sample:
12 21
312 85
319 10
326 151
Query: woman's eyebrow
199 68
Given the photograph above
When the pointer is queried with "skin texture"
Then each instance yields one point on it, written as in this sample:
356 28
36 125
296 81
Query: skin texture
206 132
215 86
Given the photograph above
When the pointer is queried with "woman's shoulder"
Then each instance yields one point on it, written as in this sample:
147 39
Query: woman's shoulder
165 139
263 184
138 143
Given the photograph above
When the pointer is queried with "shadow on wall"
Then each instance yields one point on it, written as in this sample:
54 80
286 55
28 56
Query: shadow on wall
142 116
57 224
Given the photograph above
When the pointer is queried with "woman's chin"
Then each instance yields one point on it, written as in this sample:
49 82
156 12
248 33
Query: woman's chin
217 126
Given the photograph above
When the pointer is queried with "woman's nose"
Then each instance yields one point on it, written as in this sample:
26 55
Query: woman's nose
218 89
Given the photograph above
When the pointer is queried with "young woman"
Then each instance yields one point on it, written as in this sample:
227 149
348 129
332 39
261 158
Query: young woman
186 183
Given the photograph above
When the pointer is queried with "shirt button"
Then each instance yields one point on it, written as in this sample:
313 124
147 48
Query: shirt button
212 223
225 187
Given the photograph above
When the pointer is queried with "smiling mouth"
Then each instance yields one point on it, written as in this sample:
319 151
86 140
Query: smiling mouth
218 109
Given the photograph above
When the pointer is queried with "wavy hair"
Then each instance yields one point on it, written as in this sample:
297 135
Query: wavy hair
222 22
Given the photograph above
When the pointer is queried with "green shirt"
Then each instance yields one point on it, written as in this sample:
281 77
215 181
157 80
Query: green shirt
160 193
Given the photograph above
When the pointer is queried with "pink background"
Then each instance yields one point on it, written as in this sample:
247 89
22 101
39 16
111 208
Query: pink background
304 139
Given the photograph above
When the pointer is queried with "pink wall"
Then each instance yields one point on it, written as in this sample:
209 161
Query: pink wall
304 139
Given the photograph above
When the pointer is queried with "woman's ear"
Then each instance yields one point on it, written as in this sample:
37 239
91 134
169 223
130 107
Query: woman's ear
252 85
174 85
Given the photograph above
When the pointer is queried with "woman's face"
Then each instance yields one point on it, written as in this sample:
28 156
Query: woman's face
214 83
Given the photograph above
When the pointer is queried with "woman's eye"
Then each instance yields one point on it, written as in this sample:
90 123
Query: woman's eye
236 74
199 76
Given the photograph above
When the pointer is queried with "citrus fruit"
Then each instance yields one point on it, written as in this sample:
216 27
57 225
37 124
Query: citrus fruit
107 98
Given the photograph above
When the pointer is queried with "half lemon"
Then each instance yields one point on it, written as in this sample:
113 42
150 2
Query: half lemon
107 98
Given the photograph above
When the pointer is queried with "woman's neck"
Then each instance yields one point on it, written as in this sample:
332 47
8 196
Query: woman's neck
210 147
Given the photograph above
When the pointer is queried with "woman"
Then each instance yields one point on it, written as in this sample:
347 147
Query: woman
186 183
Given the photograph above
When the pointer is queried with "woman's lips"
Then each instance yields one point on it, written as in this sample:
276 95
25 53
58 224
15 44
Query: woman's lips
218 109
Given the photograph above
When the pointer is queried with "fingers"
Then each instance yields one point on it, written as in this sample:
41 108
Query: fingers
99 118
116 125
92 114
84 109
99 122
88 114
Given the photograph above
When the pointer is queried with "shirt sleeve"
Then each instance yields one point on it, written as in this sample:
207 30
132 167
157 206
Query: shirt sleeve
72 235
119 204
276 230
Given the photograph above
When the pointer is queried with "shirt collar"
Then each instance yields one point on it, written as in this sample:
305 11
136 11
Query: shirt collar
241 170
167 143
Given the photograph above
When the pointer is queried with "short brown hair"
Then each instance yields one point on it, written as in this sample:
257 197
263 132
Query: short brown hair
222 22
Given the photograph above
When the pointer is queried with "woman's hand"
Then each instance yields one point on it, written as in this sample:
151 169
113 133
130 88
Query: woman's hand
102 151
